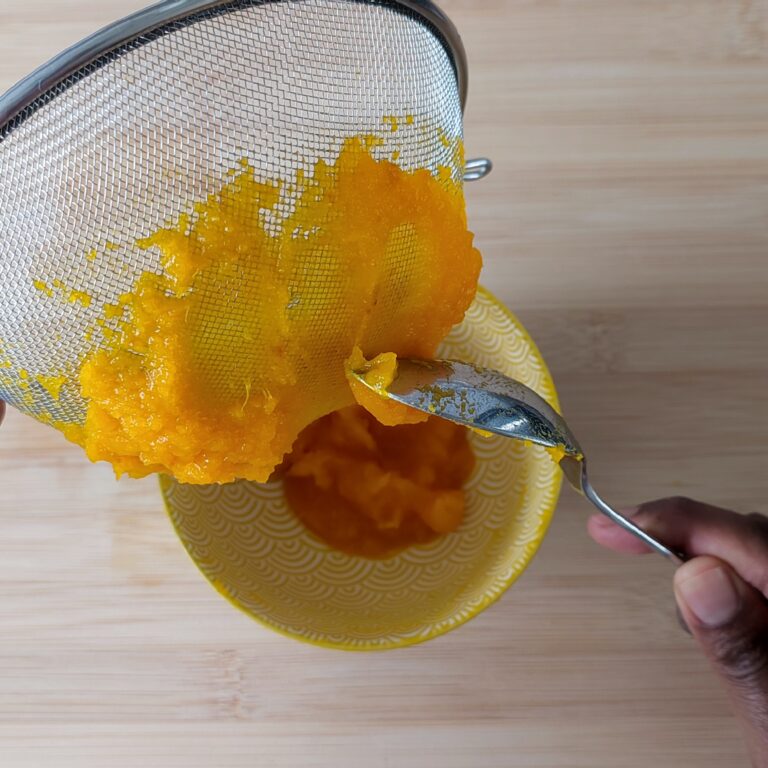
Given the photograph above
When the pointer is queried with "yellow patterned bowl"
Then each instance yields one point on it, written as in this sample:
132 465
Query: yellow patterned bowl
250 547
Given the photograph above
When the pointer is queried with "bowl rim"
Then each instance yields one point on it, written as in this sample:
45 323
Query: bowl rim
443 627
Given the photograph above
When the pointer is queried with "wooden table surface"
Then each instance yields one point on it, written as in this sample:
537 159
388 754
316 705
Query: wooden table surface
626 222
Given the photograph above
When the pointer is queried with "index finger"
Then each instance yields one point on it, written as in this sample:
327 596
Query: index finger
696 529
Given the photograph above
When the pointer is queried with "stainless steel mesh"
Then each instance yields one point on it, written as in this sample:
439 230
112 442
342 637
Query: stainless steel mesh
137 136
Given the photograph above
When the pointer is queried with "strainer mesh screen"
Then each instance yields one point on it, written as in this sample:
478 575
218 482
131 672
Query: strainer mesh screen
139 136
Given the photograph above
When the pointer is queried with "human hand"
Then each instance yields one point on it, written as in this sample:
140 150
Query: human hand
721 593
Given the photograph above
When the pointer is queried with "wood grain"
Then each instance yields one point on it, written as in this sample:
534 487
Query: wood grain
626 222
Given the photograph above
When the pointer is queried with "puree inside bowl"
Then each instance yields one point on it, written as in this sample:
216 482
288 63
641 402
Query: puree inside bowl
372 490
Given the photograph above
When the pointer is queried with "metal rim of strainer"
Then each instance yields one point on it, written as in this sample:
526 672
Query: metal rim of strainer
30 93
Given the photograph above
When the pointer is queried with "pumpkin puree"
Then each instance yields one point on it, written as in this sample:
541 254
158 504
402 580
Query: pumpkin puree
371 490
211 368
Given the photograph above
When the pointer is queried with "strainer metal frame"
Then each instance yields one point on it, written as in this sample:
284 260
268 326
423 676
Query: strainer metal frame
153 18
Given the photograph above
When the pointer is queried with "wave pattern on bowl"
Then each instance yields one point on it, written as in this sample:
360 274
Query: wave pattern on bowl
252 549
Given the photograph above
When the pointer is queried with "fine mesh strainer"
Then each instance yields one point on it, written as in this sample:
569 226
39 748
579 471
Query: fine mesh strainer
126 130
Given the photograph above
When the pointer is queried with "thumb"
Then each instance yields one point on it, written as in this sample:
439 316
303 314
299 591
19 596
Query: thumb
729 620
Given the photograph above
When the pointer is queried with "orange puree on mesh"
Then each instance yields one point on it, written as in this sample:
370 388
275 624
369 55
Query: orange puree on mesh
210 369
372 490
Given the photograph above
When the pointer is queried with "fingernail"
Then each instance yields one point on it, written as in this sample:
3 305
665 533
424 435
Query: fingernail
630 511
710 596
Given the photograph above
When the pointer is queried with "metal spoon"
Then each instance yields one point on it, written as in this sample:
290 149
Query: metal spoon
490 401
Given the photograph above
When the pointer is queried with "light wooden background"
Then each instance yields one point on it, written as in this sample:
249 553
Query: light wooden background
627 223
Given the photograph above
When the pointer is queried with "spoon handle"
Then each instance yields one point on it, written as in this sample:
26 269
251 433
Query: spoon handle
628 525
579 479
